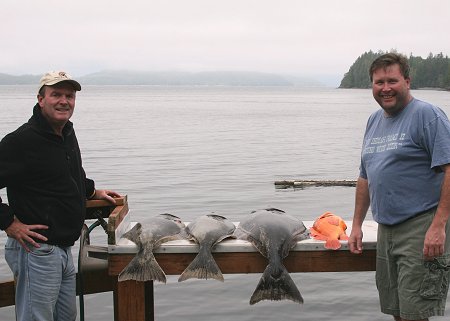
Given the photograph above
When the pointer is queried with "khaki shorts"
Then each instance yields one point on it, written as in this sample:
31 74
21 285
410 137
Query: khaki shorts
408 286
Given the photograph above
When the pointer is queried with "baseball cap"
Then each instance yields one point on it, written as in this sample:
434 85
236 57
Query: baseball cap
53 77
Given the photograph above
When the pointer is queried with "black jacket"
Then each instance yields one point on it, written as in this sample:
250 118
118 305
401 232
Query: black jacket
45 180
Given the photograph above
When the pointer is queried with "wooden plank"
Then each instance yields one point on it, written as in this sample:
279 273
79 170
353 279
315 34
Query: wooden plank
93 282
115 218
254 262
103 203
7 293
102 207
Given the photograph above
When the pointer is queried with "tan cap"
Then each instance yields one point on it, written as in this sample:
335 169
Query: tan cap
53 77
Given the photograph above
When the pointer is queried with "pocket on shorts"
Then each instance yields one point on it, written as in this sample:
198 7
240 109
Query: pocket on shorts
435 283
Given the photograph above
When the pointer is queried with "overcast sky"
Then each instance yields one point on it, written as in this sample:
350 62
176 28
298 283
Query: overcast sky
311 38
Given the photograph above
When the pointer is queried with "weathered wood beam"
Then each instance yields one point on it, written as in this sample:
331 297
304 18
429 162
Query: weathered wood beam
93 282
102 207
311 183
254 262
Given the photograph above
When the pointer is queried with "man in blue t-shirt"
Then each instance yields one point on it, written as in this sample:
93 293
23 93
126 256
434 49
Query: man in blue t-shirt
405 179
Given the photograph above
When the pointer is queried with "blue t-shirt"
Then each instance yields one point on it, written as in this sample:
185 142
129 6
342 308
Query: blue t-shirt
400 159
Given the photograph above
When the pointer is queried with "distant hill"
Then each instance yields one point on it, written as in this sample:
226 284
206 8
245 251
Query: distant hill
175 78
432 72
6 79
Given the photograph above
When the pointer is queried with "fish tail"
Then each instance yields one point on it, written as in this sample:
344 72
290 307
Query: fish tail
202 267
333 244
141 269
276 285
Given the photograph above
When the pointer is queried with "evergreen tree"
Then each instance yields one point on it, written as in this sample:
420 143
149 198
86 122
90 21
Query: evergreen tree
432 72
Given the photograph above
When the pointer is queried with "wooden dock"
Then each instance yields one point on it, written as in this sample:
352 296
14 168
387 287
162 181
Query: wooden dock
134 300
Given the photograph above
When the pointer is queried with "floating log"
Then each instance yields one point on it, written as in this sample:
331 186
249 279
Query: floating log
310 183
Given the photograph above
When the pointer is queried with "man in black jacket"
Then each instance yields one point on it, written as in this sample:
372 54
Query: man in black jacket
47 188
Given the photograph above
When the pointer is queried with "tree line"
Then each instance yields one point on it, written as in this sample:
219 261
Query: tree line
432 72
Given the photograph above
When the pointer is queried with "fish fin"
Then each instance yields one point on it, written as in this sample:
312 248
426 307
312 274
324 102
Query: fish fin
275 210
217 217
171 217
258 244
231 236
134 233
143 269
168 238
202 267
276 285
332 244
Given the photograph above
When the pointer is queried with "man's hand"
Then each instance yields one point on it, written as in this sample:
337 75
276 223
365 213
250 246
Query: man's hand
434 242
24 234
355 241
103 194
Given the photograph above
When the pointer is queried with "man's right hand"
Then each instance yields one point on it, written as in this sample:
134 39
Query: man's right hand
355 241
24 234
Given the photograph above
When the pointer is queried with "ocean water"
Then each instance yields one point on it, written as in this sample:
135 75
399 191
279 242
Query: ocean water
193 150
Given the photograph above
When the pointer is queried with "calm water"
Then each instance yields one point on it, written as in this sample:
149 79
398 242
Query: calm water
193 150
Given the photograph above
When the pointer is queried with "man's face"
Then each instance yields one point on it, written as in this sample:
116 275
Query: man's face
58 103
390 89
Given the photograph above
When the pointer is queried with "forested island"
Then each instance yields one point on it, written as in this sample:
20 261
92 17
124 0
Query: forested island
432 72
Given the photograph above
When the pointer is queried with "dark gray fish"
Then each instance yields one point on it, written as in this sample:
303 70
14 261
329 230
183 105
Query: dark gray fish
273 233
207 231
159 229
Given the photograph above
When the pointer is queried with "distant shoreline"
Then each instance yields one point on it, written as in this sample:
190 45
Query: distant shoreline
176 78
229 86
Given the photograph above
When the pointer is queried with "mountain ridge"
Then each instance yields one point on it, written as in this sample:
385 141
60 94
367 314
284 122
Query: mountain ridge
175 78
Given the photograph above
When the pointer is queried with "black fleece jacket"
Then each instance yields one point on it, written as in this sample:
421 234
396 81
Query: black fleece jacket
45 180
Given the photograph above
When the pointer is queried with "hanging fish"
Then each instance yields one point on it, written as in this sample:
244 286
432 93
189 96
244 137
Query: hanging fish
273 233
207 231
159 229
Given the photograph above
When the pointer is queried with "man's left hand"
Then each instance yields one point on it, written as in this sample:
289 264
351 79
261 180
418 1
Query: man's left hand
107 195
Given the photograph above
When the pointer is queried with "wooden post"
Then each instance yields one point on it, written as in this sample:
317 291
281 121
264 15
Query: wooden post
149 302
133 301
